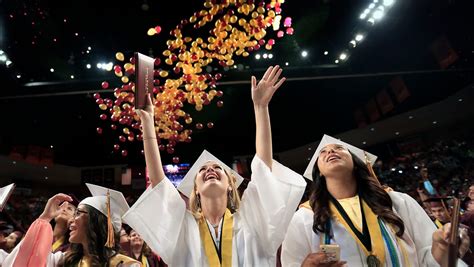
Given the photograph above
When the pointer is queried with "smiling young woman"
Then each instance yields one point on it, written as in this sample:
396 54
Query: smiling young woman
348 207
219 229
94 230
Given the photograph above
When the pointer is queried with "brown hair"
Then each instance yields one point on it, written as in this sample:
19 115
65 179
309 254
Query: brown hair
369 189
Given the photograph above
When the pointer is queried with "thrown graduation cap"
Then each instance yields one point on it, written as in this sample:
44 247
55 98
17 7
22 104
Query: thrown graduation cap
109 202
187 184
328 140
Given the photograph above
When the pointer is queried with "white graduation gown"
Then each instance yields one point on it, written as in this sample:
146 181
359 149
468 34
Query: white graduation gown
266 209
413 249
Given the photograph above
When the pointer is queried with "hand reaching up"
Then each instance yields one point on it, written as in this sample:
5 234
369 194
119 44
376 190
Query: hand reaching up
263 91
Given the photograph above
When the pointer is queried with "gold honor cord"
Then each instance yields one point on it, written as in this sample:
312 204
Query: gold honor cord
218 256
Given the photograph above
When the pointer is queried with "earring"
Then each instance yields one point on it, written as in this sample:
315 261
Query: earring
231 200
198 201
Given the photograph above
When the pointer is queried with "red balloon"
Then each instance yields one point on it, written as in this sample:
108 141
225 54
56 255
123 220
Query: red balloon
105 85
96 95
220 103
124 153
170 150
113 126
116 146
122 138
199 126
219 93
210 125
158 29
99 130
175 160
103 116
157 61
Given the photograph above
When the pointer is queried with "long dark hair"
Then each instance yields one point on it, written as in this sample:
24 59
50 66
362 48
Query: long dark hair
369 190
96 236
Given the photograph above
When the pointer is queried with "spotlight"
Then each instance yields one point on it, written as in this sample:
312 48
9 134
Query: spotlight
343 56
378 14
257 56
388 2
359 37
326 53
270 56
88 66
52 70
304 53
265 55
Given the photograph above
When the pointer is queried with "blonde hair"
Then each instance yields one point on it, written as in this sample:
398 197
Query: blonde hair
194 203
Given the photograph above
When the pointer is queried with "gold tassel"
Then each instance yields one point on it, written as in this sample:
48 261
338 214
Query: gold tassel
369 166
110 228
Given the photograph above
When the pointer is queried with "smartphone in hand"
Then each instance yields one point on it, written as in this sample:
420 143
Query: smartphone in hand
332 250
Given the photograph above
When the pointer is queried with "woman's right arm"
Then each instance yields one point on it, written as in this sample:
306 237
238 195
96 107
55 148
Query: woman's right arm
150 143
35 248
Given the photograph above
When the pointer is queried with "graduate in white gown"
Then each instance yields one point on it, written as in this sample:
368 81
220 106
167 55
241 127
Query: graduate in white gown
349 207
218 230
96 222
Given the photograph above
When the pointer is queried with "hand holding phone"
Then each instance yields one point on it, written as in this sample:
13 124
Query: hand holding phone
333 252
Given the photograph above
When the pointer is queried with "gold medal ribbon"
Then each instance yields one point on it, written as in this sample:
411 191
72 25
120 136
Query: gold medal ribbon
376 239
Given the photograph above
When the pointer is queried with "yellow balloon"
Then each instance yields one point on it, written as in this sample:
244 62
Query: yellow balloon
151 32
163 73
127 66
124 79
126 131
103 106
188 120
119 56
198 107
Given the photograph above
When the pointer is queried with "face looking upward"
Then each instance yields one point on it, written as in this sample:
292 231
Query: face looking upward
333 159
67 212
211 180
135 239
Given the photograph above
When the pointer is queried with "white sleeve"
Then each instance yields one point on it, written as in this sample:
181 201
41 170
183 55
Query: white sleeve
419 227
297 243
53 259
159 217
269 202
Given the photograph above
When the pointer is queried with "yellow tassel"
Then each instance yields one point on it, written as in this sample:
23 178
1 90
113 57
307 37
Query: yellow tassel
110 228
369 166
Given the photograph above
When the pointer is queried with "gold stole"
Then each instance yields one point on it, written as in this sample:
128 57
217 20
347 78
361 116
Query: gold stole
378 246
144 261
226 241
57 244
438 224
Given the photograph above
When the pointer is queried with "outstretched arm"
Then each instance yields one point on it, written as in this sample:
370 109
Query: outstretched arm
262 93
150 144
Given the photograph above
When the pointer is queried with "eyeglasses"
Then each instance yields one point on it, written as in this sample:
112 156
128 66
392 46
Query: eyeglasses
78 212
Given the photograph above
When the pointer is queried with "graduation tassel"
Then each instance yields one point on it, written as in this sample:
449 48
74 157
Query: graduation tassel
369 166
110 229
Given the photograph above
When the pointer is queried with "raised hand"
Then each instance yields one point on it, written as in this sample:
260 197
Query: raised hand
147 114
52 208
262 91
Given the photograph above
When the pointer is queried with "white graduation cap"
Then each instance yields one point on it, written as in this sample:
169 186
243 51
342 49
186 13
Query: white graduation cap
328 140
100 200
187 184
